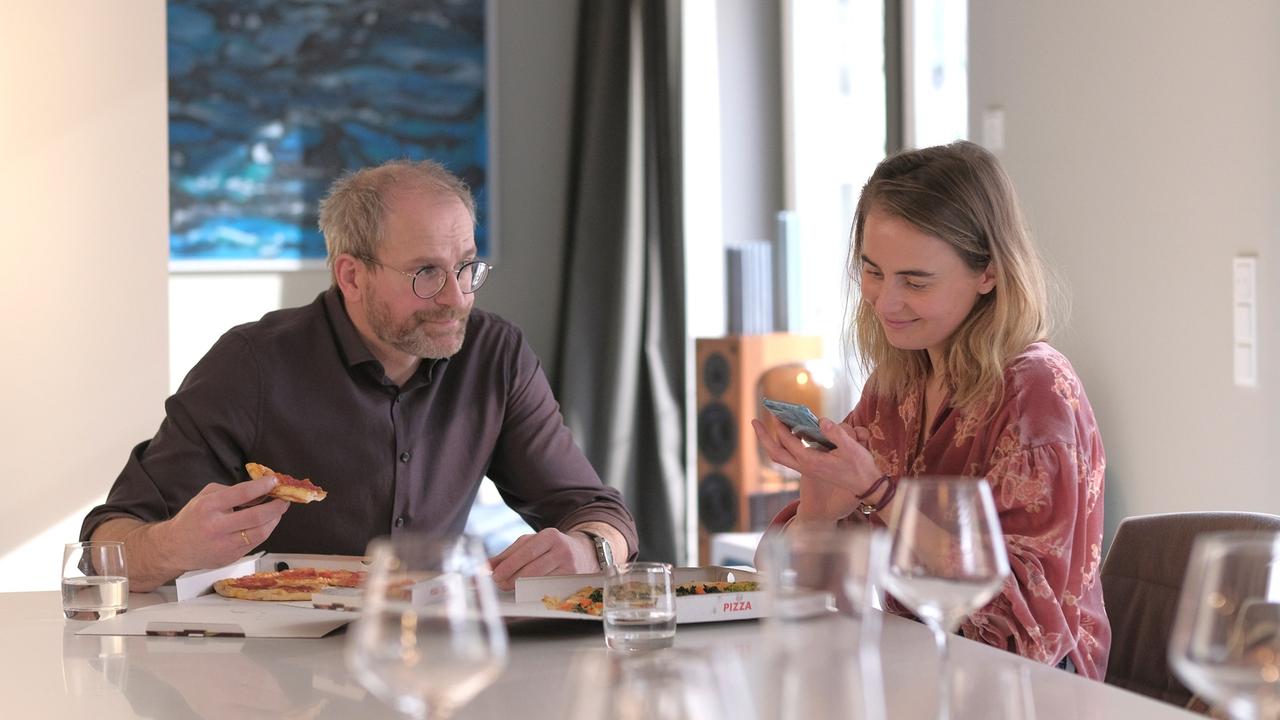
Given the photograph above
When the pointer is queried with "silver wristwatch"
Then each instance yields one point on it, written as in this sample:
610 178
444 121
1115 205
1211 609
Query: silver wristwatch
604 551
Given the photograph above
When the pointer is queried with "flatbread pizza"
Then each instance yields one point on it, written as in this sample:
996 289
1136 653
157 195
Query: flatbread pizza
292 584
589 600
287 487
719 586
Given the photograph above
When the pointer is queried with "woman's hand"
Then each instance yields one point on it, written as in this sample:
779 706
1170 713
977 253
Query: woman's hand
829 480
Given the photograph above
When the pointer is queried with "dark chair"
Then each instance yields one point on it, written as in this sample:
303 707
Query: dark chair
1141 582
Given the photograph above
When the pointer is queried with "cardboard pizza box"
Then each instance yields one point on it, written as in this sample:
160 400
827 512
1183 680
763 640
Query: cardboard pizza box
200 582
715 607
199 612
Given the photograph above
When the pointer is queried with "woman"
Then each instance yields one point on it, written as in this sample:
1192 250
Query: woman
951 322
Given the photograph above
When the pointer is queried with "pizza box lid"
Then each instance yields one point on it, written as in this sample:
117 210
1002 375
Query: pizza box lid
200 582
715 607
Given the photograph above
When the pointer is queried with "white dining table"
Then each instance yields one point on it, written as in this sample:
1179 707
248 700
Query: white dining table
48 671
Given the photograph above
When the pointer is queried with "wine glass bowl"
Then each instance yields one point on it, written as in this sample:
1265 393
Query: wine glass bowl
429 636
947 557
1225 643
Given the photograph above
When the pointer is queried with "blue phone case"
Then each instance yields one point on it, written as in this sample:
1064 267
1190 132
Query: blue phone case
800 419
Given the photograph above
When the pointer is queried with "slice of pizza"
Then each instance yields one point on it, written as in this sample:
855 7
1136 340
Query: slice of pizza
287 487
267 586
587 600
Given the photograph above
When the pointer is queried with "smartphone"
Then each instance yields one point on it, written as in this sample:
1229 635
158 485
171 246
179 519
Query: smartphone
801 420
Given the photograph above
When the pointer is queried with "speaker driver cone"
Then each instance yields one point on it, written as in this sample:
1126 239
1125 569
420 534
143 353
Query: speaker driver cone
717 434
717 503
715 374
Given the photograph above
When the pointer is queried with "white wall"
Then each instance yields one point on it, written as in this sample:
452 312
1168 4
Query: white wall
1143 138
83 206
535 42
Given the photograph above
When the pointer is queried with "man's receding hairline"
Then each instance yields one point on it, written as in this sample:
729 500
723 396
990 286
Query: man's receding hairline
436 193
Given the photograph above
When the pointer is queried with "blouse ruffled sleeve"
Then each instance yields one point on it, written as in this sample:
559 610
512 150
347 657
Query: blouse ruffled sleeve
1044 497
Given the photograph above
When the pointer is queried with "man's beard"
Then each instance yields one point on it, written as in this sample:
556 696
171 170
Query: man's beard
413 336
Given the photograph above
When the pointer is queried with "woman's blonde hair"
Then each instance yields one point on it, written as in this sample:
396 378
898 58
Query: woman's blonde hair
959 194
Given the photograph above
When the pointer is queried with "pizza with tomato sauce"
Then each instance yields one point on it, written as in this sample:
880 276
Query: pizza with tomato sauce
287 487
292 584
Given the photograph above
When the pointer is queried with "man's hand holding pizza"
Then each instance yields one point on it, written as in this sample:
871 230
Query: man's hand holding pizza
212 529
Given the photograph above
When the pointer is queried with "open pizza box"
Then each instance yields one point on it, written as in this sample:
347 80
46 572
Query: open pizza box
199 612
714 607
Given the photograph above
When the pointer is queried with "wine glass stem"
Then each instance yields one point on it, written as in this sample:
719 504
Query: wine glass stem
425 710
944 671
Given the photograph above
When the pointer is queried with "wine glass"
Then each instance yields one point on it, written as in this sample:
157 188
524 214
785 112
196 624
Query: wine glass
1225 643
429 636
947 557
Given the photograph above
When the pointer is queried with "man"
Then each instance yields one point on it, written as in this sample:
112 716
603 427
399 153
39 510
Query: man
388 391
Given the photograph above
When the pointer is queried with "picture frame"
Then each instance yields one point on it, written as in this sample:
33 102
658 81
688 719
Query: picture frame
269 103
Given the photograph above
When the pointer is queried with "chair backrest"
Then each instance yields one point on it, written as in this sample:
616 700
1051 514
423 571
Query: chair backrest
1141 581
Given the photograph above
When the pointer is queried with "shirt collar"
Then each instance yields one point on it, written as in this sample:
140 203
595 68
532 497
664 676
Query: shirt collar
352 346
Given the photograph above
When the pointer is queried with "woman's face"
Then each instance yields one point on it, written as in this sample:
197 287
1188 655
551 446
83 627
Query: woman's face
919 286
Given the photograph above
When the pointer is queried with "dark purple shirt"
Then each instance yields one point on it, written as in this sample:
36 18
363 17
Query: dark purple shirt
299 392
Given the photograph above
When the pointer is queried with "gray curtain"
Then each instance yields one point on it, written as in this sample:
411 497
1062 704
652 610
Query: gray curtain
622 333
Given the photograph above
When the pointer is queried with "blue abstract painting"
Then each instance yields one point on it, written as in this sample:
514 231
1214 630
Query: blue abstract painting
271 100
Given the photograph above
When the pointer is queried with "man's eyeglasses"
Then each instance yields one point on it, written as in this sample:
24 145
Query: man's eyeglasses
429 281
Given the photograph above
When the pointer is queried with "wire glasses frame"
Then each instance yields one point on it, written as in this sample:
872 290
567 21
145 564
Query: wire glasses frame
427 282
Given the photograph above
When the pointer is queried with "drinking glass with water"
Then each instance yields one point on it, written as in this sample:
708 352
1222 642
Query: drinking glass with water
639 607
95 585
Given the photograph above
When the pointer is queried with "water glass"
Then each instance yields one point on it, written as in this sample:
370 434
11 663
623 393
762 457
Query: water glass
1225 643
95 585
822 654
639 607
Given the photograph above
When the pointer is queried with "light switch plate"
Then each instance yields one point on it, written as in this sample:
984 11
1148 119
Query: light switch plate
1244 320
993 128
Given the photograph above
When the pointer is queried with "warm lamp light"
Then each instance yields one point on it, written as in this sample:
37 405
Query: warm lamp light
813 383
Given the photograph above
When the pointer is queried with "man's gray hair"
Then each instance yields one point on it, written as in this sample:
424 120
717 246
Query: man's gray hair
351 214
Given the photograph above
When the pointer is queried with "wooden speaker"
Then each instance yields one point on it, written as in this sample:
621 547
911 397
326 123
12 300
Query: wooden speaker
731 478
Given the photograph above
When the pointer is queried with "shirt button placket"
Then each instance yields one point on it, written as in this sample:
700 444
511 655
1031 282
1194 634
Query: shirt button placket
403 457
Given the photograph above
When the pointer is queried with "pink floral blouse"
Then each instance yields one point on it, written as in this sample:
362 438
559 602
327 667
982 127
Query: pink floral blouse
1042 453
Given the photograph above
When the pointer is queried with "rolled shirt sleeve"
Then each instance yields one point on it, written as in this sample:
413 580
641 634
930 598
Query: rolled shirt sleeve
207 422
